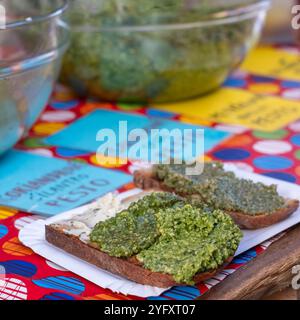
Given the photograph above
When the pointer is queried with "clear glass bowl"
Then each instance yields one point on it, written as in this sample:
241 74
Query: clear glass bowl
33 40
158 51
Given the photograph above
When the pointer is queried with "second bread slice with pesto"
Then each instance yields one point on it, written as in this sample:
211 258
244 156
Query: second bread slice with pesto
251 205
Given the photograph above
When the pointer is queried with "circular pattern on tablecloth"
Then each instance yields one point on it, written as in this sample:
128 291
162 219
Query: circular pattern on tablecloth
238 141
248 256
264 88
64 105
15 248
177 292
278 134
57 296
7 213
289 49
80 160
232 154
281 176
239 74
207 158
291 94
12 289
231 128
68 284
33 143
272 147
244 166
296 140
108 162
272 163
90 106
48 128
297 171
3 231
195 120
295 126
42 152
297 154
286 84
235 82
20 268
58 116
129 107
262 79
70 153
160 113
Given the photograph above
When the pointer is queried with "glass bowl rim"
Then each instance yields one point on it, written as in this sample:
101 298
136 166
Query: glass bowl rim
218 18
39 18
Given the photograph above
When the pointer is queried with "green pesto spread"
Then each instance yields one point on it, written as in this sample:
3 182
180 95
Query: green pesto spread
220 189
175 178
191 242
157 65
169 236
134 229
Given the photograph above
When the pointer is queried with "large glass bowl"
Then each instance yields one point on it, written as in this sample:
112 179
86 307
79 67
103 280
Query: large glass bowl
158 51
33 39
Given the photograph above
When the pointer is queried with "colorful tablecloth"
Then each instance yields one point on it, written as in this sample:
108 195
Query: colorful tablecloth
29 276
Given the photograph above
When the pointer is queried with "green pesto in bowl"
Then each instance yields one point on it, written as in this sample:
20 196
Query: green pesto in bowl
169 236
151 51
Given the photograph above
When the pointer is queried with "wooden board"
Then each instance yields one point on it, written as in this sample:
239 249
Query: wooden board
286 294
268 273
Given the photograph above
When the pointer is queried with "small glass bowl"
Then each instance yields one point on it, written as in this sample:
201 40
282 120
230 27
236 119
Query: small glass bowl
33 39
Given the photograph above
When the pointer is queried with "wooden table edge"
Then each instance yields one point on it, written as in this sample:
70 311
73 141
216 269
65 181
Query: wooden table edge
266 274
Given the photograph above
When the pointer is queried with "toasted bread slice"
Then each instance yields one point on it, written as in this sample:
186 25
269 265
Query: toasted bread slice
264 220
145 179
127 268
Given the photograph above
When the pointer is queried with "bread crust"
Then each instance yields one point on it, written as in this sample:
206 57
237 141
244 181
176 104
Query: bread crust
127 268
265 220
145 179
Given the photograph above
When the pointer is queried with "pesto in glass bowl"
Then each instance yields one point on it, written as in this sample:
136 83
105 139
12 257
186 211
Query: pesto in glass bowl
158 51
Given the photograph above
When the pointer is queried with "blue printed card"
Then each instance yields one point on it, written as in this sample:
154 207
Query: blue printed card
49 186
82 134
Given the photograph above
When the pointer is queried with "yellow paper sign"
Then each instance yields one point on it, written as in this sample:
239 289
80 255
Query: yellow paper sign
240 107
271 62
